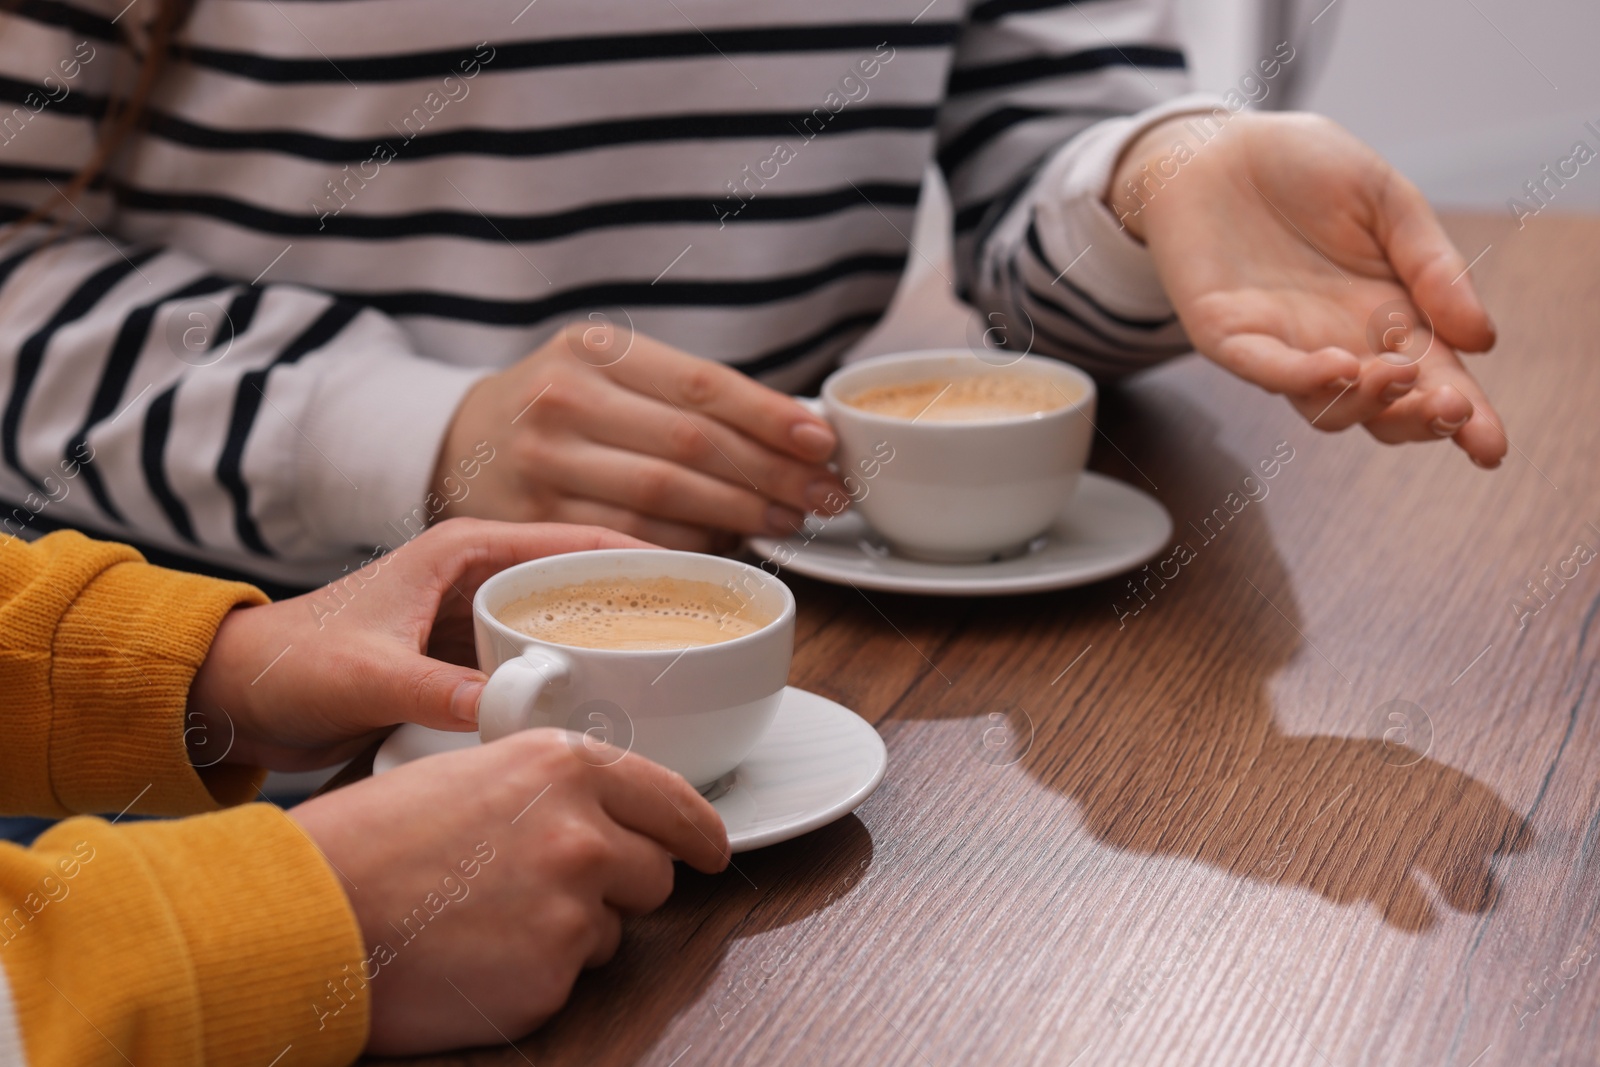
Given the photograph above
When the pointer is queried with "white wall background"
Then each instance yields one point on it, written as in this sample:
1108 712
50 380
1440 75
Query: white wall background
1469 98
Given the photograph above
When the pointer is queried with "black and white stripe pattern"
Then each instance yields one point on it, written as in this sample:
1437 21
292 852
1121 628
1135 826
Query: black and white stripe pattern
387 196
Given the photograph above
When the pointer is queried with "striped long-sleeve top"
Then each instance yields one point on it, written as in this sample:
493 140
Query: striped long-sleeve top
251 341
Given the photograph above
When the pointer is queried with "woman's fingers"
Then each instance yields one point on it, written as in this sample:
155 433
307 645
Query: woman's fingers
1331 387
1447 402
1268 362
1484 439
606 933
1430 266
1397 400
681 536
641 878
461 554
1481 436
1429 416
661 489
687 383
652 426
1379 385
650 800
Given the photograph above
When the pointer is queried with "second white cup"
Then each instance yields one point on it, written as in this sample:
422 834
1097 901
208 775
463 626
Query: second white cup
968 490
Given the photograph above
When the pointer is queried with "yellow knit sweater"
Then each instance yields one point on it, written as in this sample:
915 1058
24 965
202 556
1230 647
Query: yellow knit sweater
210 939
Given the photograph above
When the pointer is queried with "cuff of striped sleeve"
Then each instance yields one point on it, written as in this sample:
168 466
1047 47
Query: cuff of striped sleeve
1072 215
124 655
378 418
219 939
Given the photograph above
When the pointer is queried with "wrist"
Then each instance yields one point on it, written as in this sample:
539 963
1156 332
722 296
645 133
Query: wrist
1147 164
381 413
456 449
218 704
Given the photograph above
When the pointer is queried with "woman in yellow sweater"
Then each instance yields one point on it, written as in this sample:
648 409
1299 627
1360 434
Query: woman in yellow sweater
451 902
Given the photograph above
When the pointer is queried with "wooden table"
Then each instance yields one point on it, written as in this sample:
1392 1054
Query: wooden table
1198 834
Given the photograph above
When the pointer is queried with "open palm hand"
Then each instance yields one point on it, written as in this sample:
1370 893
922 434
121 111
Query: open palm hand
1301 261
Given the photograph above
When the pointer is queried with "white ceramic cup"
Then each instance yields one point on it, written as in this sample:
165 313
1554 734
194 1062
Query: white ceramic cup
697 711
960 491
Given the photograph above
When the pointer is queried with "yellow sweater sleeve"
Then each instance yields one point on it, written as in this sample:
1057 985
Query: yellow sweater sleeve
223 938
97 651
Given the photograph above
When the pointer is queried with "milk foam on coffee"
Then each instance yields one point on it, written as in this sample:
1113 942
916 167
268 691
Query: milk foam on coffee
986 396
637 614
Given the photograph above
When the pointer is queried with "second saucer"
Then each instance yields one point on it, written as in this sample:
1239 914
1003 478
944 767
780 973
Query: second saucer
1107 528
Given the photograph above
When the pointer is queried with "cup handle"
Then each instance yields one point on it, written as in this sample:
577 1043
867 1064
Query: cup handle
812 404
507 703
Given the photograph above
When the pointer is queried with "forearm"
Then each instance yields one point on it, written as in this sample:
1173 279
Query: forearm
1028 143
218 939
99 651
1064 276
143 392
1149 161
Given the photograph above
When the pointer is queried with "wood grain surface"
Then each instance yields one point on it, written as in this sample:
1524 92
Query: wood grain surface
1330 797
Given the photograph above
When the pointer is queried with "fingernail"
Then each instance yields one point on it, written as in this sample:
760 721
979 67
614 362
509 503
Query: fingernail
1396 391
1341 383
824 495
1489 465
781 521
464 701
1446 429
813 440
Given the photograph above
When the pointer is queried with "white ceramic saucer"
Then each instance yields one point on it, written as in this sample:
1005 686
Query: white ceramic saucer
1108 528
817 761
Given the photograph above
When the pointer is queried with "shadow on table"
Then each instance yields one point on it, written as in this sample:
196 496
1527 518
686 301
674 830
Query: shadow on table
1167 740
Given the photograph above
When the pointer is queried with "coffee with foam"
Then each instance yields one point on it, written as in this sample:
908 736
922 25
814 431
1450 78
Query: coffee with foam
973 399
634 614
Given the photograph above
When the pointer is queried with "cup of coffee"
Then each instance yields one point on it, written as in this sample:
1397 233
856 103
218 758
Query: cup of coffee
969 461
678 656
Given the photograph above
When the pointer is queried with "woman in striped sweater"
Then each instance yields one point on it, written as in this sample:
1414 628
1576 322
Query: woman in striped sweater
311 246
